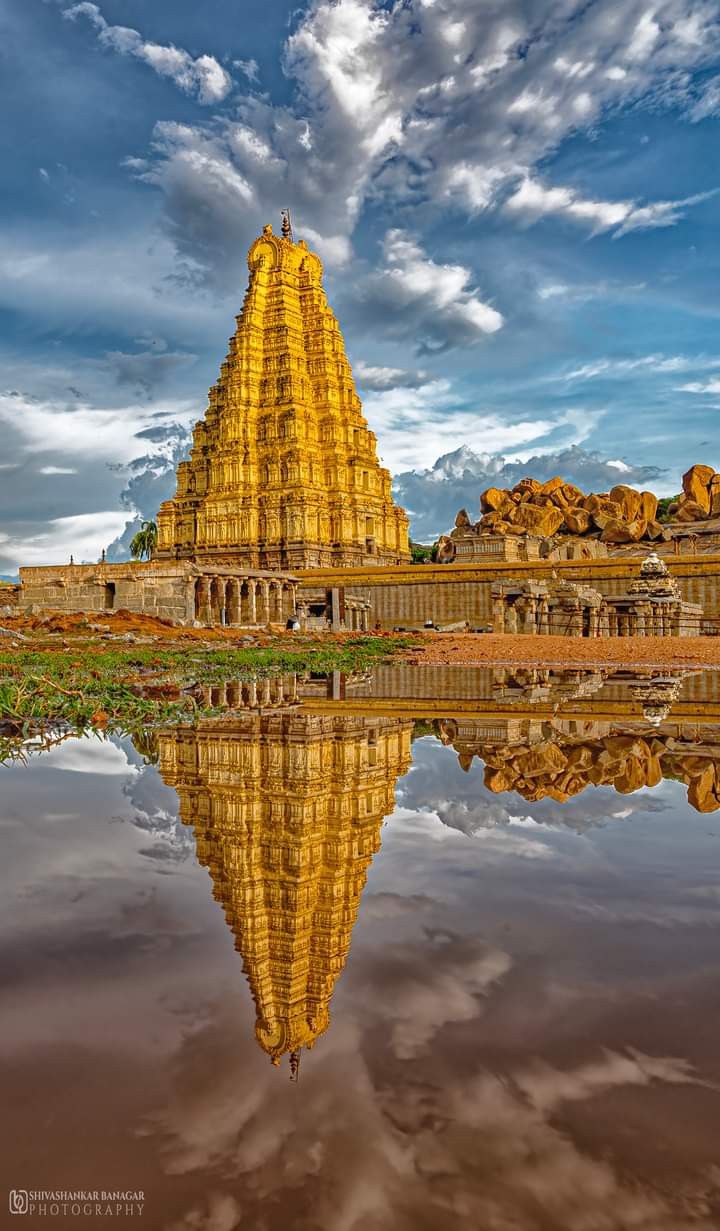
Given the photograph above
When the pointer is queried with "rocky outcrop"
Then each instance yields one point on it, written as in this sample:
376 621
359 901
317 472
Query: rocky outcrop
700 496
622 515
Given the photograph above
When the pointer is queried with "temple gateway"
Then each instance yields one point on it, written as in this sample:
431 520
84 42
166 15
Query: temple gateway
283 511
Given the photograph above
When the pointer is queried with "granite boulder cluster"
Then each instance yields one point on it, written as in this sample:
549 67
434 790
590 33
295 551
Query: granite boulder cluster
623 515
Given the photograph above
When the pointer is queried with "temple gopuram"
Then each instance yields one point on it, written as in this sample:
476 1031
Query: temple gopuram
286 808
283 472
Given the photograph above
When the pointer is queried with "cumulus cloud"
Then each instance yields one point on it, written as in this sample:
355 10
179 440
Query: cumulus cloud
202 76
414 425
419 297
83 536
446 105
533 200
379 378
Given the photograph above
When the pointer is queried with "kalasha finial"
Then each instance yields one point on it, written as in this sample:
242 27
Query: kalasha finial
286 224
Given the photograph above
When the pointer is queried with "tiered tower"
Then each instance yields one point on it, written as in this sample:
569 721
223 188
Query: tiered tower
287 810
283 472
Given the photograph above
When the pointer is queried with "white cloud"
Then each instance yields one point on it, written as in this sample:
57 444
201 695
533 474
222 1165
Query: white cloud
105 434
83 536
385 105
700 386
651 363
57 470
415 426
708 104
534 200
202 76
90 754
413 284
379 378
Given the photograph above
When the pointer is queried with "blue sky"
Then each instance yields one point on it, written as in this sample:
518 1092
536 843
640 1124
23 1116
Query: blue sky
517 206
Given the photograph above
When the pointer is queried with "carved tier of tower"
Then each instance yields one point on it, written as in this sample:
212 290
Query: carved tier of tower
283 472
286 810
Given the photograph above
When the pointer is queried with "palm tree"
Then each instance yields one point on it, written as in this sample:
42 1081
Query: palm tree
143 544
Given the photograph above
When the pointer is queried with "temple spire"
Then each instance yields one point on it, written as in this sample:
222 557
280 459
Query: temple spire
284 472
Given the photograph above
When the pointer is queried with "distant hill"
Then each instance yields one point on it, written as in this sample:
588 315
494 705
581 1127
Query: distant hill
432 497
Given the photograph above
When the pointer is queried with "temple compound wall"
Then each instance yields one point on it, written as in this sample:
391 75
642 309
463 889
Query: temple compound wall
408 596
183 593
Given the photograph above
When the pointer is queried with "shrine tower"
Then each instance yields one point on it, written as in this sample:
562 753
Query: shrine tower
283 472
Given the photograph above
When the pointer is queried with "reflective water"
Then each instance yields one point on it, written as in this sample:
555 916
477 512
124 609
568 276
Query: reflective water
474 914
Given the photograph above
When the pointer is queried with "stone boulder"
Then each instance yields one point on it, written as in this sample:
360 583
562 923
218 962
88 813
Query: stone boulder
629 500
577 519
690 511
492 499
648 506
551 485
540 521
695 483
617 531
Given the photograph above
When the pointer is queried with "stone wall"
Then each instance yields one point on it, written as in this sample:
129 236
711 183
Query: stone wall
9 595
179 592
408 595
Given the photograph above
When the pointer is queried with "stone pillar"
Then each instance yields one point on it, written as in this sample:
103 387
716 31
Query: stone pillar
543 618
265 692
232 601
264 602
202 600
252 602
511 618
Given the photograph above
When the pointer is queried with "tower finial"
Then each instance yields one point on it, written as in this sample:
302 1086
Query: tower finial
286 224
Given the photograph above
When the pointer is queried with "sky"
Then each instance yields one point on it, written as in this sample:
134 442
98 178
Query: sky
517 204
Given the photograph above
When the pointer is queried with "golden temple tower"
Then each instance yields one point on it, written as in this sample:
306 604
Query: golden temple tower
283 472
287 808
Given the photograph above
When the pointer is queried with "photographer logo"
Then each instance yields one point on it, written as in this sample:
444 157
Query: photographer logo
18 1201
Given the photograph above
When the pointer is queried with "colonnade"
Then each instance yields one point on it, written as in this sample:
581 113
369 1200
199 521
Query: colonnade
264 693
243 600
588 615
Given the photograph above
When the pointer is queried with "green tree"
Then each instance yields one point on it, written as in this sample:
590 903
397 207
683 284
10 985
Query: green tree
143 544
422 553
663 506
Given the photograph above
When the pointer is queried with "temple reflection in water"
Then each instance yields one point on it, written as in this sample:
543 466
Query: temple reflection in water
286 808
287 789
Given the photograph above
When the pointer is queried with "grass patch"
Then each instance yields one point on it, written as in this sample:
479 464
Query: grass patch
132 687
